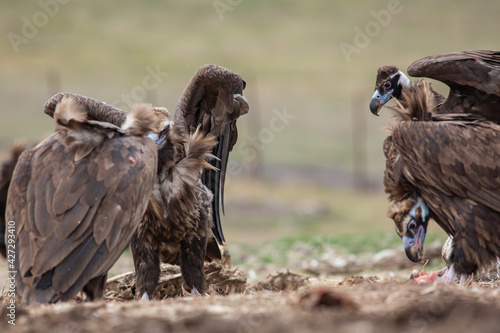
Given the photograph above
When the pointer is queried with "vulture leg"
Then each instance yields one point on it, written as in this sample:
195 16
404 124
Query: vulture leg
94 289
147 268
192 258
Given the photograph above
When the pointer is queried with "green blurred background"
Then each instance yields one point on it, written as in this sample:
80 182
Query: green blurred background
316 177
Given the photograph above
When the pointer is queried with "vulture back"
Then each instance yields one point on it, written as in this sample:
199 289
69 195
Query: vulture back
76 198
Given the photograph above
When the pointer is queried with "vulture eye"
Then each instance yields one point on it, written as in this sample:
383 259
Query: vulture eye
387 84
411 225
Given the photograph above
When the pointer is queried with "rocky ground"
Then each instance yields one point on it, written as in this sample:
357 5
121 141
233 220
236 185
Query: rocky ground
352 294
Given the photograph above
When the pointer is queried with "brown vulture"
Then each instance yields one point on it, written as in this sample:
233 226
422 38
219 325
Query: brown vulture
182 221
76 199
442 157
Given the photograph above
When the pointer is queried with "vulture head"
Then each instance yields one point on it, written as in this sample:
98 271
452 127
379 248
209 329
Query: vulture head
161 127
411 217
390 82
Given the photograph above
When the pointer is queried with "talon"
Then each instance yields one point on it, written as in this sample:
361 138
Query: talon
195 291
466 280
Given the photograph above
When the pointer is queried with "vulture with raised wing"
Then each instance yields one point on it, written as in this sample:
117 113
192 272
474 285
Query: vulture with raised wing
180 225
76 199
444 165
472 76
182 221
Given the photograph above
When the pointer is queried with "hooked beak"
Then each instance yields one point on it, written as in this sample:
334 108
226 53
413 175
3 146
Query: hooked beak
414 247
158 139
161 134
378 100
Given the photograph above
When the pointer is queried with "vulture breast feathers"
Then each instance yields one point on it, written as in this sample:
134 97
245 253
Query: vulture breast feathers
76 199
445 167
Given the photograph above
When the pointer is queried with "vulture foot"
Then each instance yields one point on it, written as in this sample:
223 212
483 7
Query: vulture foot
446 275
145 297
195 292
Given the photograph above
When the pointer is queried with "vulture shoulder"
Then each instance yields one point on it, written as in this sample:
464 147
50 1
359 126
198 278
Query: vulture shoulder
76 198
213 100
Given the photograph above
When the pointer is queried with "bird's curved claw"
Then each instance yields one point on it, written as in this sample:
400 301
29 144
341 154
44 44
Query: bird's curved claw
195 292
145 297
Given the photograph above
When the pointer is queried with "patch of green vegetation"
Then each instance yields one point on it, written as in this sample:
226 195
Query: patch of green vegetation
275 252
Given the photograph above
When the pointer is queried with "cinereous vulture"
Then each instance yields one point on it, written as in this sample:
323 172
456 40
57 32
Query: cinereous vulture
442 158
76 199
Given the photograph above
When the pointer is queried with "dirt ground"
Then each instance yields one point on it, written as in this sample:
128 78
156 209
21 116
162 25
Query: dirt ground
367 301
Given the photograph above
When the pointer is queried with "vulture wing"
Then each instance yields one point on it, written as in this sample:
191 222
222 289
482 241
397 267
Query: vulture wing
473 78
451 158
96 110
76 198
213 100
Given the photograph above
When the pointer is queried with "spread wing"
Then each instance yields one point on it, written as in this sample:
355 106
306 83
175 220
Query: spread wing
473 78
76 208
213 100
452 158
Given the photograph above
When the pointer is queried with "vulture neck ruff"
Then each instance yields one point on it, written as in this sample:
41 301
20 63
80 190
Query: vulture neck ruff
417 103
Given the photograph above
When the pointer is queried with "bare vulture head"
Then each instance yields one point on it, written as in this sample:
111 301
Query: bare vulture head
390 82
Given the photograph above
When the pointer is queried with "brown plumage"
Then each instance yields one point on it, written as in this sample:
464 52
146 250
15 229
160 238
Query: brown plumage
181 227
6 172
213 99
472 76
444 166
182 221
76 198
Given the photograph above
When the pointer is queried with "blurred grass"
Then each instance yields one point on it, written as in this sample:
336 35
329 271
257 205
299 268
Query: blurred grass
301 209
278 252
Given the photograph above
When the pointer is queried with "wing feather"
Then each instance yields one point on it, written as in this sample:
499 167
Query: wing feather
473 78
67 208
479 69
214 99
452 158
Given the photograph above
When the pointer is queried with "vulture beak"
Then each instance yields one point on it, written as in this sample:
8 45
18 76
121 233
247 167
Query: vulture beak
414 246
378 100
159 137
414 237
